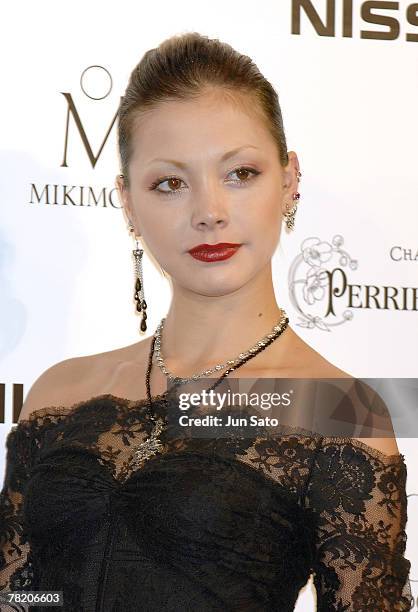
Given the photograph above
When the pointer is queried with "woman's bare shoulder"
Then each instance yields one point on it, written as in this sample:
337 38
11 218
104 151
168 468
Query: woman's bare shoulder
77 378
314 365
308 362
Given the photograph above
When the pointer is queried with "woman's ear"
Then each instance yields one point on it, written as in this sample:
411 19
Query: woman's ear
290 180
125 200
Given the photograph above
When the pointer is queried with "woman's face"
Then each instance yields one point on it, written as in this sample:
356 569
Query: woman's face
207 171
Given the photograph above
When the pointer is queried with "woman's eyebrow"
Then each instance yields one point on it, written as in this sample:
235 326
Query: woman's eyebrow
183 166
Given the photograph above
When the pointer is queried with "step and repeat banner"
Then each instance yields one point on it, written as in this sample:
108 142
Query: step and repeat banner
346 74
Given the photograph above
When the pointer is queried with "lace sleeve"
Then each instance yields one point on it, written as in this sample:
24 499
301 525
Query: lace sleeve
358 497
15 567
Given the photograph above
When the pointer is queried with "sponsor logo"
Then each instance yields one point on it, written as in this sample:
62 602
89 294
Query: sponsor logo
393 20
322 292
96 84
398 253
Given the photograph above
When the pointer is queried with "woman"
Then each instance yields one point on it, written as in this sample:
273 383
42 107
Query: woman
98 500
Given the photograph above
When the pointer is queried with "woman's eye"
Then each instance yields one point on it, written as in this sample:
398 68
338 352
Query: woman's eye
173 182
242 173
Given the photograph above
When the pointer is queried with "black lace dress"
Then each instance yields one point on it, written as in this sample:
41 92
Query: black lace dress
206 525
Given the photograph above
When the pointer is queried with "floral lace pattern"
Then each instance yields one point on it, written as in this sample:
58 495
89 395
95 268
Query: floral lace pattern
209 524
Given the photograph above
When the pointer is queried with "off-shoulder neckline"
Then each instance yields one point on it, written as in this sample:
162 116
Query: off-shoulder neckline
57 410
377 454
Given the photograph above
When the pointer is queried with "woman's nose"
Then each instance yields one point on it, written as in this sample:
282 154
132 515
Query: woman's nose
209 210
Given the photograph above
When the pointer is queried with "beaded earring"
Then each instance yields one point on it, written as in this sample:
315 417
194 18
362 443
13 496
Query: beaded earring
141 305
289 215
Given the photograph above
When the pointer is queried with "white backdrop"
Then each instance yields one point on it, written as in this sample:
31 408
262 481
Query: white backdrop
349 106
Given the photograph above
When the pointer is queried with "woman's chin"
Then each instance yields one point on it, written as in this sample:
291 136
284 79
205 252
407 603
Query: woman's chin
211 285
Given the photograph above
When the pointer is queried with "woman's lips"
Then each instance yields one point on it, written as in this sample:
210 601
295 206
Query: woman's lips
214 253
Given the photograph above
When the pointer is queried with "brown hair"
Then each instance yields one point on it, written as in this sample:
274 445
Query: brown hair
180 68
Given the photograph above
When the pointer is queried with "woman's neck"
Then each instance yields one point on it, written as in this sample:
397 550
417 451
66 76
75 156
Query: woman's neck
200 331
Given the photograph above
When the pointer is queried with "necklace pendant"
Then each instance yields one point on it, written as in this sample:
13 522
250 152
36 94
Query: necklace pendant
149 447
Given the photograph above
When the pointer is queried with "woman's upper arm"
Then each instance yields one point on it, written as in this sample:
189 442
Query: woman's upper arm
358 495
52 388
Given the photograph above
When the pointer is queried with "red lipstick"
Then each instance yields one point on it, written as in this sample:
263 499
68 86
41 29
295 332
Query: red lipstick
214 252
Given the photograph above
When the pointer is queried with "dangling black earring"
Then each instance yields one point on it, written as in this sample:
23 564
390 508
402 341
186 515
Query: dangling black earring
141 305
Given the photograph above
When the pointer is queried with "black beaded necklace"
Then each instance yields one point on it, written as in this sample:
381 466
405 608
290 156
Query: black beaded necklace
153 445
178 380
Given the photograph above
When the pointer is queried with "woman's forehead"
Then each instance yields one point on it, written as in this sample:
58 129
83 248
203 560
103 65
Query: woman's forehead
177 127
